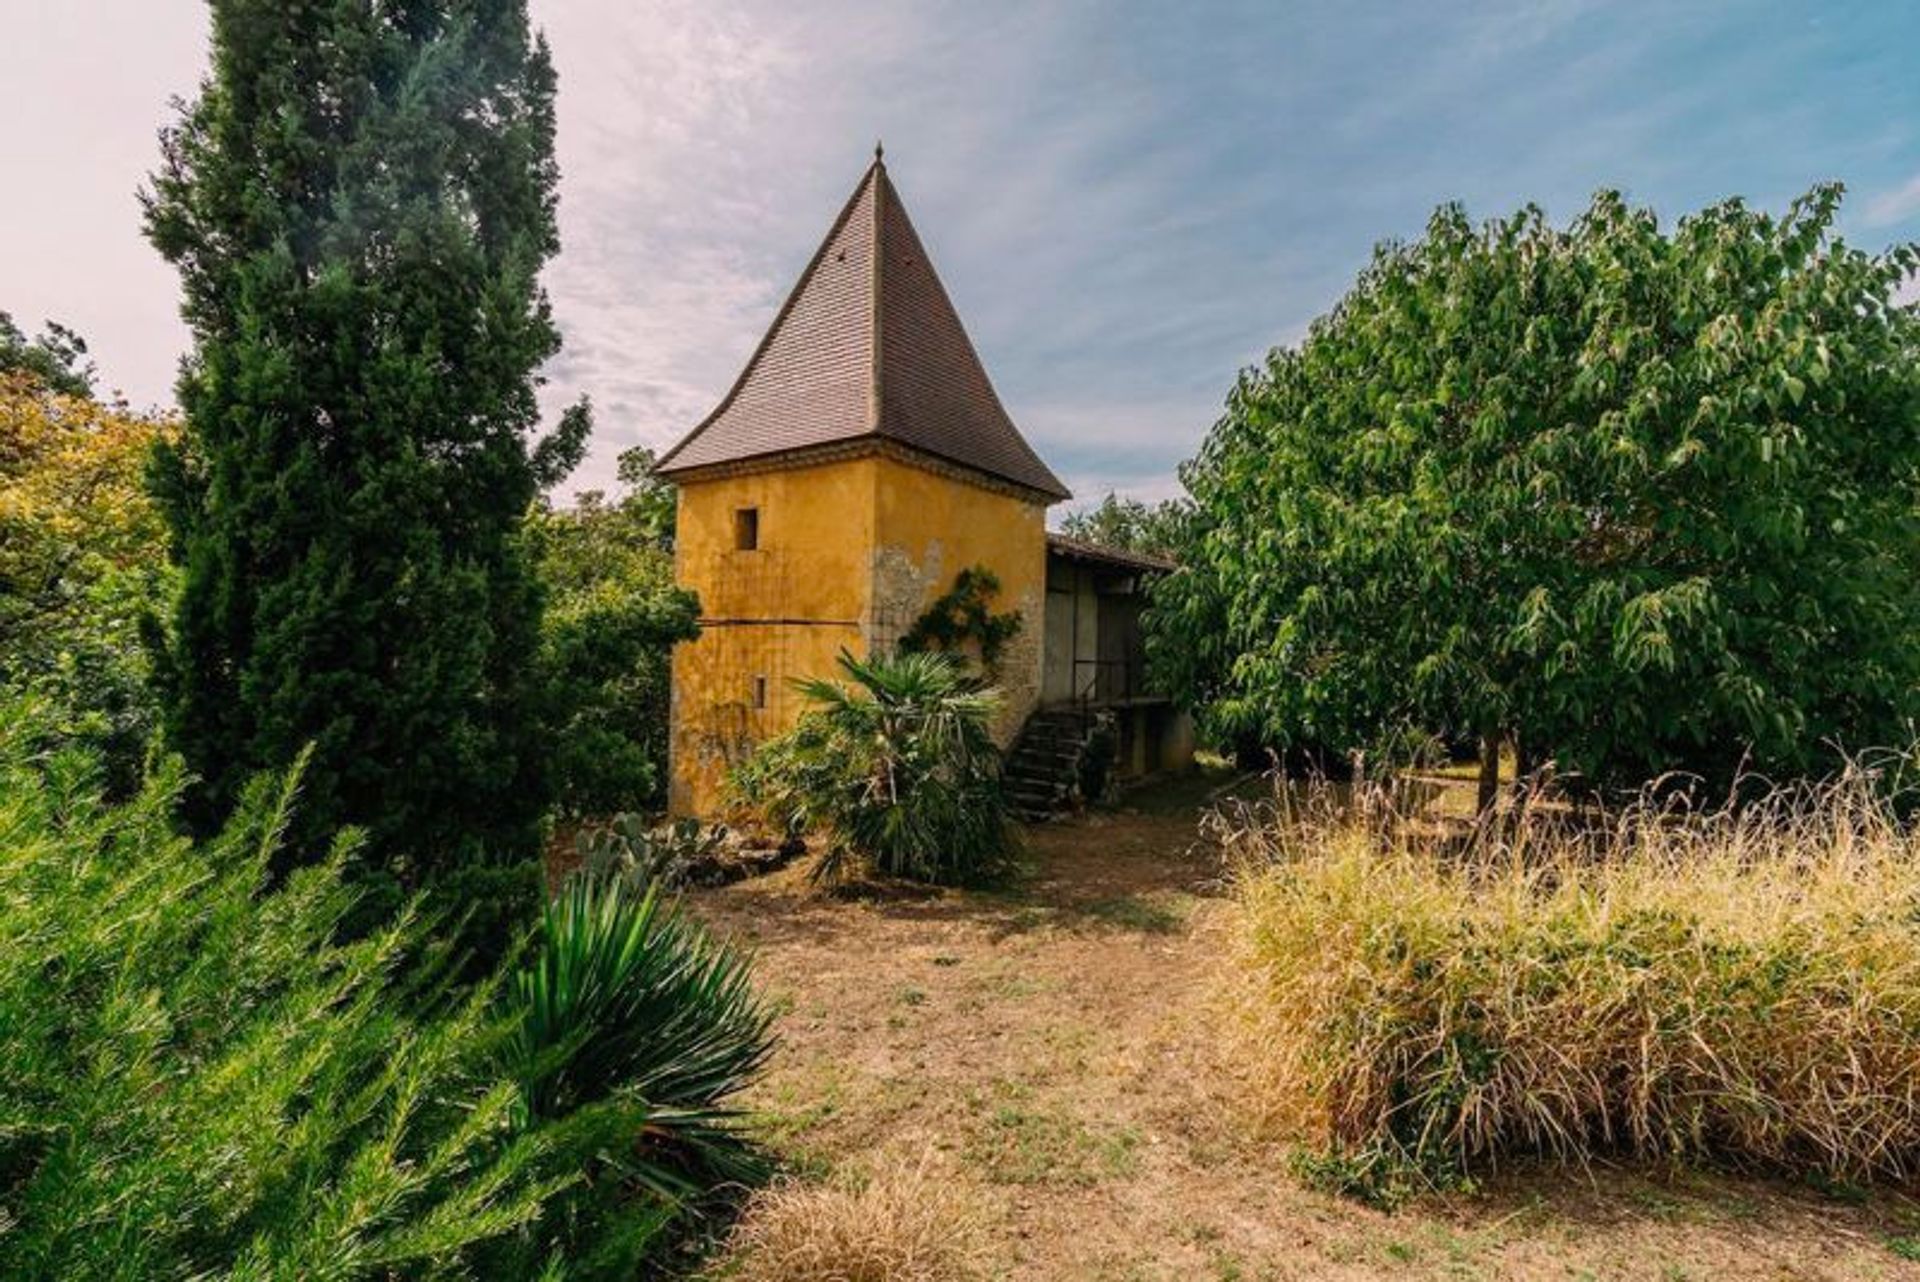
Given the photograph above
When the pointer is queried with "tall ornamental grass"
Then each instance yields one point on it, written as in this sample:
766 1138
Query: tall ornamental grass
1740 986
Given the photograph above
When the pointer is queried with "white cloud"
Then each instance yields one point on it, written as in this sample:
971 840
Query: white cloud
1128 202
705 150
1895 205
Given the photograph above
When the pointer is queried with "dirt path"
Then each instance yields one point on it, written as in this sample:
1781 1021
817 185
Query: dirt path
1047 1047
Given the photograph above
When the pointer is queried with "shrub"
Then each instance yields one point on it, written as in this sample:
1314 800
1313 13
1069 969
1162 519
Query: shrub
904 1225
1094 771
900 769
205 1072
627 847
1741 986
628 1001
484 909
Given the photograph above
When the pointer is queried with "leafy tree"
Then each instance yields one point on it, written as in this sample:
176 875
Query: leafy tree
612 618
897 767
359 203
57 359
203 1073
82 563
1635 499
650 501
1158 529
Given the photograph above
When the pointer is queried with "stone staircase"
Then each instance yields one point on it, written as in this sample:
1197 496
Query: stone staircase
1042 770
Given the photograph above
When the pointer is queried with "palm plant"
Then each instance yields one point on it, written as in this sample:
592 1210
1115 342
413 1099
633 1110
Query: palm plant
900 767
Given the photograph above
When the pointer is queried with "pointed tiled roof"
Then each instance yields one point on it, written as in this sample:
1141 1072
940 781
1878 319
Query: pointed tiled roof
867 347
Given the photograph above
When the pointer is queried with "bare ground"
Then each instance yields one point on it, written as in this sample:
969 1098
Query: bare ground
1047 1048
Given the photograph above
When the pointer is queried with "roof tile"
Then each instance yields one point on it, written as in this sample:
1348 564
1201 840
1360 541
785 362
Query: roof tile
867 345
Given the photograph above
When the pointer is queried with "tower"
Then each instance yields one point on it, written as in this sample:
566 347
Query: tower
860 461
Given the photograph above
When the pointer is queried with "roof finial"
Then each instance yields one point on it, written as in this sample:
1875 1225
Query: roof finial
879 152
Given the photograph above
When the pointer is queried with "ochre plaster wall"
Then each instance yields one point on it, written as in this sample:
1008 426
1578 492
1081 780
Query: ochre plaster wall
850 554
769 616
929 527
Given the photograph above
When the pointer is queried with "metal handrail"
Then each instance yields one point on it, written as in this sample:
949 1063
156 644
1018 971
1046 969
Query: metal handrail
1093 688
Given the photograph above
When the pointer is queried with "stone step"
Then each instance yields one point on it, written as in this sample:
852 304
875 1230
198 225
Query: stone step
1043 762
1034 770
1051 739
1041 770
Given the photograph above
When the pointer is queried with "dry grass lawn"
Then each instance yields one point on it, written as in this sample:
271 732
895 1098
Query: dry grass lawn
1047 1049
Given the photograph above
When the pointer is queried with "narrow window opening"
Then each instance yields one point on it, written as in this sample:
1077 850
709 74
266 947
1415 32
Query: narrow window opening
746 528
760 692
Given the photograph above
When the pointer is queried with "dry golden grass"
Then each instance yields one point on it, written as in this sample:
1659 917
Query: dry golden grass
1739 986
907 1224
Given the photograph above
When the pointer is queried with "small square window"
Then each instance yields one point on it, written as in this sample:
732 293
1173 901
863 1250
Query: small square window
746 528
759 692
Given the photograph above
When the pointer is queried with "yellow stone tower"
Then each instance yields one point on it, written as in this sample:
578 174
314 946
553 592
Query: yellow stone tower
861 461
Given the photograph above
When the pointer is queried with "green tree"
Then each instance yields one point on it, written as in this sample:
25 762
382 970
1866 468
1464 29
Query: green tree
57 359
359 204
612 618
1633 499
649 500
82 563
1158 529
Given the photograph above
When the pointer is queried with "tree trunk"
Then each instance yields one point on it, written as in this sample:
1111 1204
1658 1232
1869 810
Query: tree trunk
1489 773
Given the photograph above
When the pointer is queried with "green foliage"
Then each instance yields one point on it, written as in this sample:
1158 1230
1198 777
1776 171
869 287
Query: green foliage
487 906
359 203
1130 525
1382 1173
964 617
203 1073
629 849
82 565
1640 499
613 615
650 501
629 1001
57 360
899 767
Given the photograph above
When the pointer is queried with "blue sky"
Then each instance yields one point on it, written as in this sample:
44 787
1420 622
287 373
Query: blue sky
1128 201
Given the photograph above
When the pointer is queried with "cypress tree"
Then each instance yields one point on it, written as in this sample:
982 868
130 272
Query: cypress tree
359 202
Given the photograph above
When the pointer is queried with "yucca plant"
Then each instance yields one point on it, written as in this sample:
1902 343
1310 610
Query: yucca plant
629 1004
898 764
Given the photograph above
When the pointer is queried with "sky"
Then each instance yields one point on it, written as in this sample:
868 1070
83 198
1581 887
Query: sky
1128 201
